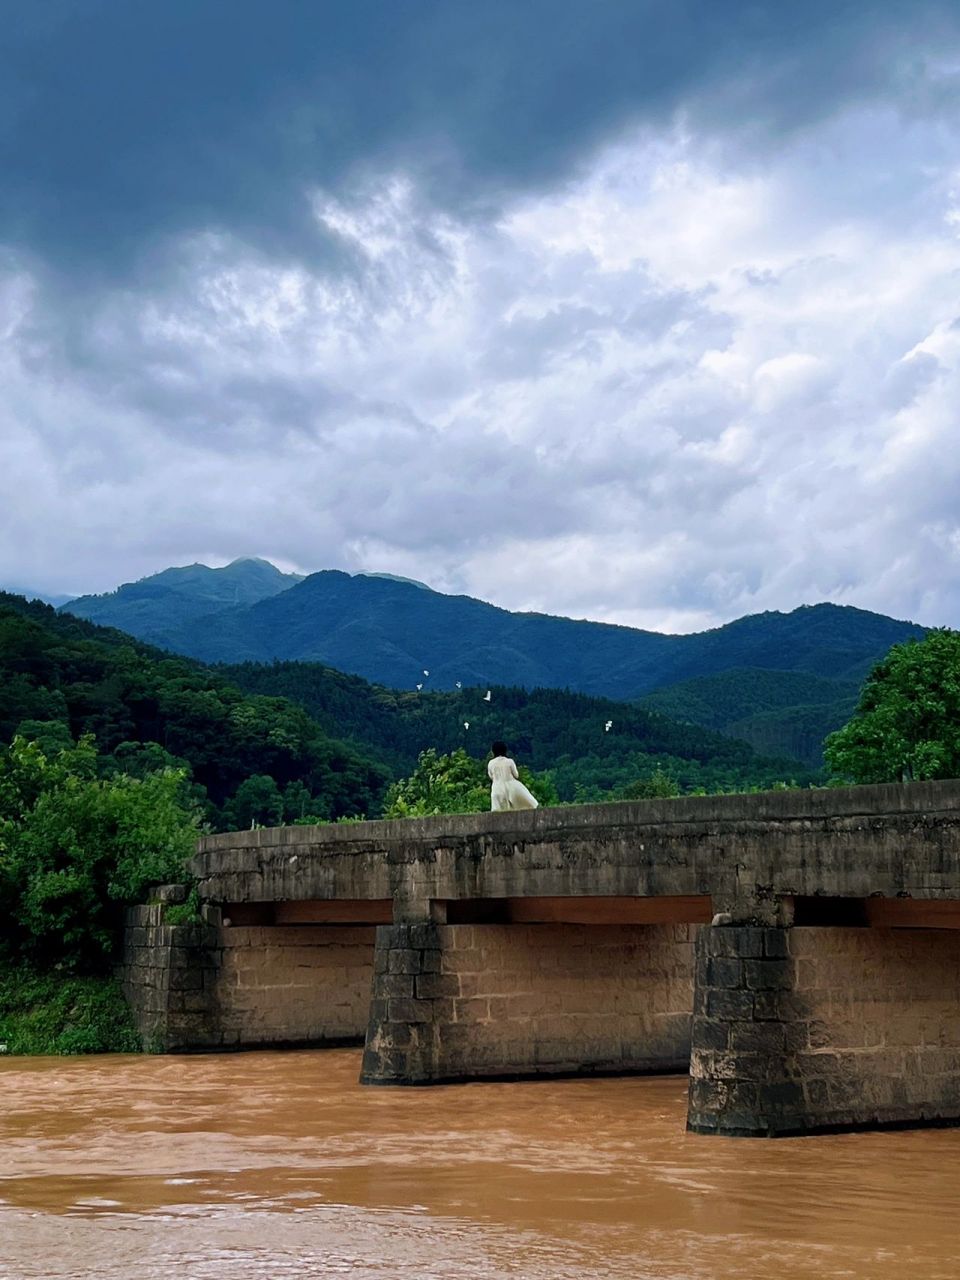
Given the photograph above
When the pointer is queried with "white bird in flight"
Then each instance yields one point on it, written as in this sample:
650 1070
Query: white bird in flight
466 724
426 673
459 685
419 687
486 696
608 726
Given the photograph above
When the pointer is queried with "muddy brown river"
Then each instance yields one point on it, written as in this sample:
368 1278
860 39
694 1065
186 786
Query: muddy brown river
274 1165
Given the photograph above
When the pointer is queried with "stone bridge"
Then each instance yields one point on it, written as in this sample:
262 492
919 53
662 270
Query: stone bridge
797 952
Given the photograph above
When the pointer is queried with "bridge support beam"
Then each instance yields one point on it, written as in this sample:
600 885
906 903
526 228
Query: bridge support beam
486 1001
803 1030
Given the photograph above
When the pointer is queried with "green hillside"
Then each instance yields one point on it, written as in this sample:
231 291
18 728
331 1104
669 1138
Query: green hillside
777 712
546 729
61 677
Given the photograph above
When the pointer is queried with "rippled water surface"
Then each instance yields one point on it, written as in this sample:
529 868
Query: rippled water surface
279 1165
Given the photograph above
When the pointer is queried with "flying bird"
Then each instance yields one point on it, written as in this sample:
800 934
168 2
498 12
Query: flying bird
426 673
466 724
486 696
459 685
608 726
419 687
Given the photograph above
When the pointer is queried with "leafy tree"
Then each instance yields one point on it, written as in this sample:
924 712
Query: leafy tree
907 723
660 785
299 806
51 736
257 801
454 783
76 848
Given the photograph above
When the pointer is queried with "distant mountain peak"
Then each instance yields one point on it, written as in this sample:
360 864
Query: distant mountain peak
158 607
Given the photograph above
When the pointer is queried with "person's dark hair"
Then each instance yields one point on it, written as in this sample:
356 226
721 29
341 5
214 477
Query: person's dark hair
499 749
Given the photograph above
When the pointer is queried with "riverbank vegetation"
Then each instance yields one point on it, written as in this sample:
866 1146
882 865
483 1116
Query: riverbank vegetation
63 1013
79 843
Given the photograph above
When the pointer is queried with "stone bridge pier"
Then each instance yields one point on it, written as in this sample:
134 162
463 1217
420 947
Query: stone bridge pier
506 1000
798 952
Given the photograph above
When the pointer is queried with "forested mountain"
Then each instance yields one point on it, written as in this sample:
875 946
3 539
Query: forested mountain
777 712
391 631
164 607
248 756
553 729
254 754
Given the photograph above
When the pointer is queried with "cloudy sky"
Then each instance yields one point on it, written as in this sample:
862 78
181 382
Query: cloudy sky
635 311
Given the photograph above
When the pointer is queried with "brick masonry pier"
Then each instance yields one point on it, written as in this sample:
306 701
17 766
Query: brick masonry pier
798 951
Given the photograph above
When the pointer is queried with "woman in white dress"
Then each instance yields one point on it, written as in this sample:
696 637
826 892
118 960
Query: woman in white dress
507 791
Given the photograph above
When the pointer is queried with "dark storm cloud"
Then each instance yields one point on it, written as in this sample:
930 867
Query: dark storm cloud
121 122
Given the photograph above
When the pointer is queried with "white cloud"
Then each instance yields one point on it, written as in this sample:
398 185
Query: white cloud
673 390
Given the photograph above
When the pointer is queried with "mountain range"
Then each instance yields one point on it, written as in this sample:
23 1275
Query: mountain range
778 680
276 742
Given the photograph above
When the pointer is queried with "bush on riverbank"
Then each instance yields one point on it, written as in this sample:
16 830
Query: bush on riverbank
76 848
53 1013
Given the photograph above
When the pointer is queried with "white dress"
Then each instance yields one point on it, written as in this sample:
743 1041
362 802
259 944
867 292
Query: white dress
507 792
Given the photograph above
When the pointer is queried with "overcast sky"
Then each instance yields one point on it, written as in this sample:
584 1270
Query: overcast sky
642 312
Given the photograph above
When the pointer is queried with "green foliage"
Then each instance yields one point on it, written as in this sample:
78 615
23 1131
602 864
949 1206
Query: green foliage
786 713
454 783
660 785
147 710
76 848
257 802
907 723
187 912
58 1013
547 728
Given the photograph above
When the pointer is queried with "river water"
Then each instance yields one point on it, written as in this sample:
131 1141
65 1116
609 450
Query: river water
275 1165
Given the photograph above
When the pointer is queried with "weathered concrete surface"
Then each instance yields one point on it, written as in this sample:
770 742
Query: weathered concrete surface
745 852
461 1002
810 1029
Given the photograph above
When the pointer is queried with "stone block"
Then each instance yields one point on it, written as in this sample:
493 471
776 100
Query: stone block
472 1010
756 1037
733 1006
775 943
404 961
724 971
768 975
409 1011
430 986
744 941
393 986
